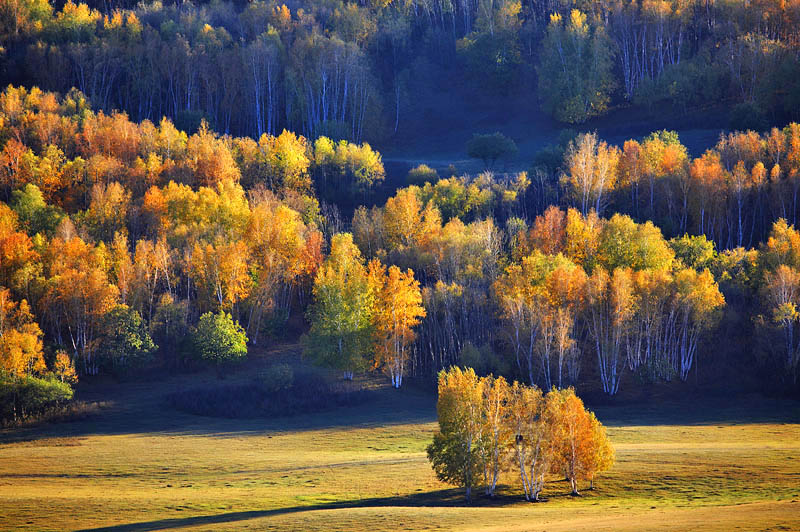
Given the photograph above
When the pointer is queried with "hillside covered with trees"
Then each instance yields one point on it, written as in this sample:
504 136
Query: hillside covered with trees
365 70
128 246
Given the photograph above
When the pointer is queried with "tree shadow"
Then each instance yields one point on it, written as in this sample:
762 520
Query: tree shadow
397 408
438 498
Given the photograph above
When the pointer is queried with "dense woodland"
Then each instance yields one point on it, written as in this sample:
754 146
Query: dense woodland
361 70
128 246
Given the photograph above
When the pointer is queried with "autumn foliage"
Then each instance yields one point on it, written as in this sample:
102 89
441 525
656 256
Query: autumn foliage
488 428
618 270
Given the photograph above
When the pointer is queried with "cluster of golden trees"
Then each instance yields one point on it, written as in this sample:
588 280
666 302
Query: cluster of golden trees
569 285
65 149
488 428
210 250
103 213
732 193
617 284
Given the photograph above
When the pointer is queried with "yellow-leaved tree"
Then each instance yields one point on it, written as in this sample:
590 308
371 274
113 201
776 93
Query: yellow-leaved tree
456 450
531 440
20 338
221 272
398 309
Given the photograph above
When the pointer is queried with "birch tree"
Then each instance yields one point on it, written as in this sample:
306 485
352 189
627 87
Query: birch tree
495 429
592 168
341 313
457 447
782 293
398 309
610 301
530 440
697 299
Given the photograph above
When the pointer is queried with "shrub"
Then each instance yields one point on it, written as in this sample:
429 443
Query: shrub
219 339
419 175
25 397
551 156
747 116
483 359
277 378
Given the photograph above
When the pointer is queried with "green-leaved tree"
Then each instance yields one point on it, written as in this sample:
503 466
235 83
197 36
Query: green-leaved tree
456 453
125 342
491 148
341 332
219 339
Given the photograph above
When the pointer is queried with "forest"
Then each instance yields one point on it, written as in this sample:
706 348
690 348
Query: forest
128 245
367 70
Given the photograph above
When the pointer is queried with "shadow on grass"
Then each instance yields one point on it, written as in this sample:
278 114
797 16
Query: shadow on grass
438 498
396 408
142 408
747 409
386 407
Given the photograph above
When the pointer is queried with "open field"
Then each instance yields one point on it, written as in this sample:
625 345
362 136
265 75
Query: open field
139 465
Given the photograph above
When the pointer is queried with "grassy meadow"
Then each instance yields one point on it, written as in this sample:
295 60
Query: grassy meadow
138 465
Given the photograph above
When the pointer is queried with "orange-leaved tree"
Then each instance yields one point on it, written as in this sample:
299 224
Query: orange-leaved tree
20 338
398 309
579 442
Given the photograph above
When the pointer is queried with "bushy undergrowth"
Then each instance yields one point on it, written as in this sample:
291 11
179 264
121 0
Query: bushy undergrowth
307 392
23 398
61 413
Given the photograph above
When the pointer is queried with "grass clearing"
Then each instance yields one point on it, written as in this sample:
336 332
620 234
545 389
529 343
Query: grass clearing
138 465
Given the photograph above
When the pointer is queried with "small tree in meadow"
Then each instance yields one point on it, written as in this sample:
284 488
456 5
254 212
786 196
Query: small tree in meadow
491 148
580 445
456 453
